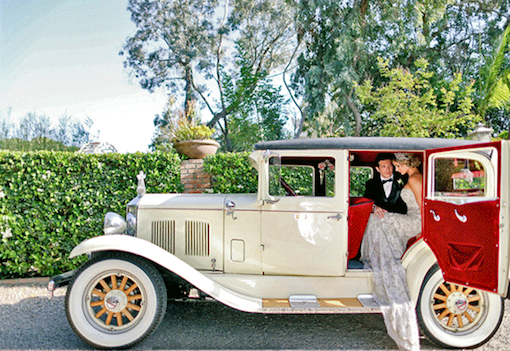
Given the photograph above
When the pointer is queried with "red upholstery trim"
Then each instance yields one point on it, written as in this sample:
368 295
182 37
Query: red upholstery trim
359 212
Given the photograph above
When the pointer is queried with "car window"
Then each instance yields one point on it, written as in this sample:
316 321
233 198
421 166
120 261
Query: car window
301 176
358 180
459 177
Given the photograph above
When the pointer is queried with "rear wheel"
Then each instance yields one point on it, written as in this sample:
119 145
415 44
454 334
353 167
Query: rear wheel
115 300
454 316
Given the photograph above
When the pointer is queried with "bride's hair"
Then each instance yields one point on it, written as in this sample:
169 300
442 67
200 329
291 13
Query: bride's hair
407 159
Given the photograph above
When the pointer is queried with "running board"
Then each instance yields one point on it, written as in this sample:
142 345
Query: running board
304 304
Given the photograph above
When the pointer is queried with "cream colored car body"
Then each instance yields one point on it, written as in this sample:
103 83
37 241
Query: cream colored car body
281 254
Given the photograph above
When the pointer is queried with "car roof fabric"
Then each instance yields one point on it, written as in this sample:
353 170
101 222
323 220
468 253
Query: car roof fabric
363 143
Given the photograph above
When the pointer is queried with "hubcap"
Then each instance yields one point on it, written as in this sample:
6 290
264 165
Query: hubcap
457 308
115 302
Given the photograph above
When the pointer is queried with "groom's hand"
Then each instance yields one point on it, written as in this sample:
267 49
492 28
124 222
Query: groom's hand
379 211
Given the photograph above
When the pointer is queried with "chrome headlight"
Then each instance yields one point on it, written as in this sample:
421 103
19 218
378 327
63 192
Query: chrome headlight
131 214
114 224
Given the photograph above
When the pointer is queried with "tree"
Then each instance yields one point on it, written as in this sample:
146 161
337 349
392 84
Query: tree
343 40
35 132
407 105
199 47
495 92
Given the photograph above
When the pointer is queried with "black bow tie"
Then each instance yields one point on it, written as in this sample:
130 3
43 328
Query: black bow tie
386 181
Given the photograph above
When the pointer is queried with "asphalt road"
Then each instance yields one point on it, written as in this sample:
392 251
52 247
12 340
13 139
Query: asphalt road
30 321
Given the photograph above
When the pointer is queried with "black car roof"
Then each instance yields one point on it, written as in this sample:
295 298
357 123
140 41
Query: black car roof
363 143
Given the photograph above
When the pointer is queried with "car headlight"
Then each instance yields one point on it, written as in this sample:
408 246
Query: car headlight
114 224
131 213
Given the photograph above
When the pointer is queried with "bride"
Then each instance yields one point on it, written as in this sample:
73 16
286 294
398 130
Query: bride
384 243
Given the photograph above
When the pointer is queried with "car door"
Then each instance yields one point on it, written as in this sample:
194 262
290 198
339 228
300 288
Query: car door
461 215
304 226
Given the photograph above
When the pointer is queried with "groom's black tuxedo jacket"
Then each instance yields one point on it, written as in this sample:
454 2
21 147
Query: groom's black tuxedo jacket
394 203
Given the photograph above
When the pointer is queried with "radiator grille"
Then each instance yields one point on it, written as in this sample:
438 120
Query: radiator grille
197 238
163 235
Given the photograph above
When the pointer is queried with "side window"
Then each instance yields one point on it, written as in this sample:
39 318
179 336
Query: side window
459 177
358 180
293 176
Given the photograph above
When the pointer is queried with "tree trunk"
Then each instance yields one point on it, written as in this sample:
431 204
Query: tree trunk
188 78
357 116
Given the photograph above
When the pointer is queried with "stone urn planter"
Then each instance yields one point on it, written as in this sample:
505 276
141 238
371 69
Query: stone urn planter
196 148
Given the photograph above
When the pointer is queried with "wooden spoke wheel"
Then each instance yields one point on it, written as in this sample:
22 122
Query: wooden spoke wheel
115 300
458 308
454 316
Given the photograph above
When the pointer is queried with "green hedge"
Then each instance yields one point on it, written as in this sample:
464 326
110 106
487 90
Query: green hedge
51 201
231 173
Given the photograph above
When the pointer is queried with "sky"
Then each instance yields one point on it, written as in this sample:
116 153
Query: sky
61 57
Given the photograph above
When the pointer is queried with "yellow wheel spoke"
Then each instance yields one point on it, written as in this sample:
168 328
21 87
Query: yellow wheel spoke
133 307
119 319
100 313
109 318
128 314
459 319
131 288
473 308
445 290
474 298
450 320
104 285
97 303
123 283
134 297
468 291
440 306
468 316
440 297
443 314
98 293
114 281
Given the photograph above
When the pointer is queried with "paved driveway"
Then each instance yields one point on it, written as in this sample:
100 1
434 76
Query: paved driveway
29 321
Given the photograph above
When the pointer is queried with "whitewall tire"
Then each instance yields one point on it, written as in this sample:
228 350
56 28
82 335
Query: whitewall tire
454 316
115 300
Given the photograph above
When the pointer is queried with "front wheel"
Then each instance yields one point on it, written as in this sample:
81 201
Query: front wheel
454 316
115 301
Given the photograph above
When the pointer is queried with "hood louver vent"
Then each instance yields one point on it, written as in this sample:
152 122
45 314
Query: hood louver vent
197 238
163 235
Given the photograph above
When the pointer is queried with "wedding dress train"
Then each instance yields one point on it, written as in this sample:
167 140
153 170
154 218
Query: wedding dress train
384 243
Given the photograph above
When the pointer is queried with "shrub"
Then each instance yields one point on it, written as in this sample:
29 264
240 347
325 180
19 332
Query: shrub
231 173
51 201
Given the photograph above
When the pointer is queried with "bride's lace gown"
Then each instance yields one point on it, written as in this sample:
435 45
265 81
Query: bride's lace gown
383 245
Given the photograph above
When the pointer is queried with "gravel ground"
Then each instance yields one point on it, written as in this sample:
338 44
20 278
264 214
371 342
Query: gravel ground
30 321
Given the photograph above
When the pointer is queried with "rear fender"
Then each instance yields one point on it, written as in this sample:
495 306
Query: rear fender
417 261
165 259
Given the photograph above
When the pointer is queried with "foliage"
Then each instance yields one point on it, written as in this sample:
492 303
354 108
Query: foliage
176 125
258 108
180 43
343 40
231 173
51 201
409 106
495 75
36 132
36 144
359 177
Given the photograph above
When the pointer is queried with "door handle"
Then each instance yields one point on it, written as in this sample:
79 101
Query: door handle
337 217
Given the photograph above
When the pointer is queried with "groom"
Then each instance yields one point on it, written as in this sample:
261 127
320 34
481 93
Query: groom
385 187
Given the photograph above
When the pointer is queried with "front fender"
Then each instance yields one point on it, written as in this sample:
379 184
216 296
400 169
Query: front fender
165 259
417 261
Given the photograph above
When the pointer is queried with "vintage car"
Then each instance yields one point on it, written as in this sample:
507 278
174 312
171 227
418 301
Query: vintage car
293 246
